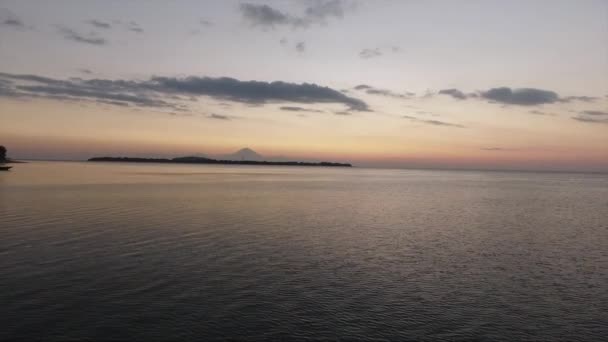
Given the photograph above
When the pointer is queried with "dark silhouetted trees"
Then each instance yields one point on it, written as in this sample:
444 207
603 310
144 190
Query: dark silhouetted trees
2 153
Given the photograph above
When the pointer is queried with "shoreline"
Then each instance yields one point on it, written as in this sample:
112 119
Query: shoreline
199 160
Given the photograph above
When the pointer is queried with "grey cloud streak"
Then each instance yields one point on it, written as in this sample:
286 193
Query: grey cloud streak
14 22
167 92
521 96
299 109
218 116
432 122
514 96
92 39
594 113
255 92
383 92
370 53
592 116
455 93
538 112
9 19
99 24
134 27
317 13
301 47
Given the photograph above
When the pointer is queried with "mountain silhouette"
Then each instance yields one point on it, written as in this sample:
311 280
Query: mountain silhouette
243 154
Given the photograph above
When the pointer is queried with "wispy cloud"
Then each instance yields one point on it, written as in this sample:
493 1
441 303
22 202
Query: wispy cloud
134 27
317 13
539 112
370 53
579 98
594 113
92 38
590 119
168 92
383 92
455 93
299 109
10 20
301 47
432 122
218 117
206 23
99 24
13 22
592 116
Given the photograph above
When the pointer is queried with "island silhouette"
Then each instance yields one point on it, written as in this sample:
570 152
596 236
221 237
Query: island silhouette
245 155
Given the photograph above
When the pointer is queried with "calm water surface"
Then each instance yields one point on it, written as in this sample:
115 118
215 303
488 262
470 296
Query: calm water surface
158 252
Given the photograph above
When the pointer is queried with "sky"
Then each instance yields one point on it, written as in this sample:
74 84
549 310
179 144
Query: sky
404 84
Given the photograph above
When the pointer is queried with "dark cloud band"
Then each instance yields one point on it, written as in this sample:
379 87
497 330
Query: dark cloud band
168 91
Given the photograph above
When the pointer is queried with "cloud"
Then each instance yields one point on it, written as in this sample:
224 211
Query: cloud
76 89
493 149
321 10
594 113
343 112
99 24
370 53
590 119
114 103
592 116
169 92
206 23
254 92
86 71
521 96
377 52
9 19
263 15
300 109
75 92
317 13
515 96
130 26
578 98
301 47
455 93
134 27
92 38
383 92
218 116
538 112
432 122
13 22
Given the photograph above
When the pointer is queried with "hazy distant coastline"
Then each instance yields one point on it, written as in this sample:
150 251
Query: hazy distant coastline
201 160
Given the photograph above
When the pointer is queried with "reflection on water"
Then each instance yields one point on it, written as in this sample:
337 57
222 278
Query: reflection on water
159 252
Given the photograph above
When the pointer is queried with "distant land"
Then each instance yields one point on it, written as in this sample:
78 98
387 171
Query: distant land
246 156
201 160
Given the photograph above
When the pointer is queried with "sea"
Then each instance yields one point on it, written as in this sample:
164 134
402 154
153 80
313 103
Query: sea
158 252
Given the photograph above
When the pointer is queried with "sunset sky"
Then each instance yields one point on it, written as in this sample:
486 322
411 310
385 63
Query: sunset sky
449 84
